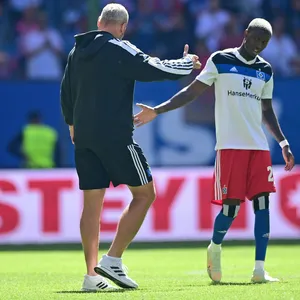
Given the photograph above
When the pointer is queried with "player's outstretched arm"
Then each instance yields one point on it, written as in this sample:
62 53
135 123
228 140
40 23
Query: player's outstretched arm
271 122
185 96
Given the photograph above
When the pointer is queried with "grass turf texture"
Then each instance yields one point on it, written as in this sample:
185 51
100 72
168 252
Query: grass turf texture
161 273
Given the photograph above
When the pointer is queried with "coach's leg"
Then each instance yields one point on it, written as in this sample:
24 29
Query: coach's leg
222 224
89 227
110 265
132 218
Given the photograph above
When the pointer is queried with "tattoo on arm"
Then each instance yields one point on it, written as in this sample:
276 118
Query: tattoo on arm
271 121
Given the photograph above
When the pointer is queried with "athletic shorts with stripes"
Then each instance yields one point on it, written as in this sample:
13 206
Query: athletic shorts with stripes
115 163
241 174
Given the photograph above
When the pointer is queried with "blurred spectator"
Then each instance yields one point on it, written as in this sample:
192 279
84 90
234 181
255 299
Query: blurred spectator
36 145
210 24
73 23
202 51
294 15
274 8
297 38
158 27
232 36
143 28
20 5
171 29
28 21
43 50
281 51
7 66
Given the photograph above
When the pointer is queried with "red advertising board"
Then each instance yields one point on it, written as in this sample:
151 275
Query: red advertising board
45 207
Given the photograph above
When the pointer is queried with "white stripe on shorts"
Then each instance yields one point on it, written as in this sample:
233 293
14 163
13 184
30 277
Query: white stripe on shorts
138 165
218 189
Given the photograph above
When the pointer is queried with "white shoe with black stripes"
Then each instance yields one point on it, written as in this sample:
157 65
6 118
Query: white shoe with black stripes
113 269
96 284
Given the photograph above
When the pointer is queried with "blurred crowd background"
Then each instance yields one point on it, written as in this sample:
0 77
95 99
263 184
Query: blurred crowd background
36 35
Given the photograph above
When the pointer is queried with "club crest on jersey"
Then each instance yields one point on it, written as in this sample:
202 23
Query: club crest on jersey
224 190
260 75
247 83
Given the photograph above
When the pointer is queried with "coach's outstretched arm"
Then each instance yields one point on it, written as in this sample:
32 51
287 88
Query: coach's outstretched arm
185 96
205 79
136 65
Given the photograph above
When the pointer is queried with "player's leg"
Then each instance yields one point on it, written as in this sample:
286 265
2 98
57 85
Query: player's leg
261 234
229 189
136 174
260 185
92 180
223 221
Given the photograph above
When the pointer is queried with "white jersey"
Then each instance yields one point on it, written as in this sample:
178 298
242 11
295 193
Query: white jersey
239 87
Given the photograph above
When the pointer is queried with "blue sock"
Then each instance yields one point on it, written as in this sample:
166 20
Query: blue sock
261 233
221 226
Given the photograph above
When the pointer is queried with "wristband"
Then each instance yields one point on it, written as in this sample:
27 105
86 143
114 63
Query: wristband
284 143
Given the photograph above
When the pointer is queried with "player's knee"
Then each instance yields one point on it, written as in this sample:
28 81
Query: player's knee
260 203
230 210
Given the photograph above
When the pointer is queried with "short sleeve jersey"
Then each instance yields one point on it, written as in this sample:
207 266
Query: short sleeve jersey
240 85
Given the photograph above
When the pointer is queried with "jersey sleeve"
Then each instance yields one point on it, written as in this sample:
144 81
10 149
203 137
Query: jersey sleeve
136 65
209 74
66 102
267 92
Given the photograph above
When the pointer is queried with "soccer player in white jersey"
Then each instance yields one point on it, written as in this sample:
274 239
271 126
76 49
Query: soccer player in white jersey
243 92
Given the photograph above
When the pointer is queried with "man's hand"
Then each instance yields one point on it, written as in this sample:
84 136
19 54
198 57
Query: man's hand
145 116
194 57
288 158
71 129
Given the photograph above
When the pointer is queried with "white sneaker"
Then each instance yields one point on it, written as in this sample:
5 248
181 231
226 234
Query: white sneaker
214 263
115 271
261 276
96 284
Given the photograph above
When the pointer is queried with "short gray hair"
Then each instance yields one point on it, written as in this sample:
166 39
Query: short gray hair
261 24
114 13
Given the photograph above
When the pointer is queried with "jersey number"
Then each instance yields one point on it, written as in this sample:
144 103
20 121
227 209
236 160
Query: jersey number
270 176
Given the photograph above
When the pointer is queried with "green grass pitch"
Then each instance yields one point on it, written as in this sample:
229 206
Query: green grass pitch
171 274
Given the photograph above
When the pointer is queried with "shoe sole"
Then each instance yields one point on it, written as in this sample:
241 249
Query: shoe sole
88 291
264 281
99 291
113 279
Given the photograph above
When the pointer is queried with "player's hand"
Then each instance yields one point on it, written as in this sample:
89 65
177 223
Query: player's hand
71 129
194 57
288 158
145 116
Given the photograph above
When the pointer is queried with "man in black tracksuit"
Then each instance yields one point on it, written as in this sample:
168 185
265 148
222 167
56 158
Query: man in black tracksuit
96 100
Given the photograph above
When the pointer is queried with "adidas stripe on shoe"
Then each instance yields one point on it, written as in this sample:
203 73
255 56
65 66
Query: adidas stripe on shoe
114 270
96 284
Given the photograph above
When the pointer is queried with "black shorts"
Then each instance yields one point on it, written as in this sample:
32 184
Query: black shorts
114 162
